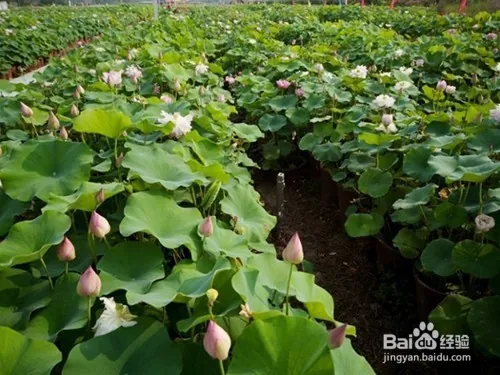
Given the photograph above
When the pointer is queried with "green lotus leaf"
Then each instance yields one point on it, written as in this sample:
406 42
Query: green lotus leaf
437 257
359 162
480 260
298 116
246 283
252 220
309 141
484 324
416 164
84 199
476 168
110 123
347 361
43 168
327 152
256 348
450 215
132 266
362 225
272 123
375 182
485 141
66 311
450 316
20 355
250 133
280 103
10 209
167 169
377 139
188 279
407 216
227 243
417 197
29 240
21 294
156 213
144 348
410 242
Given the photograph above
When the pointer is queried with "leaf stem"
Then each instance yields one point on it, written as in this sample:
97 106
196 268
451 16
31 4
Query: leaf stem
288 288
47 272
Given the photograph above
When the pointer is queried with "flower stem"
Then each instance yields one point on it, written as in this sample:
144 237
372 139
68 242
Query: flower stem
288 289
89 308
90 239
480 198
47 272
66 266
221 365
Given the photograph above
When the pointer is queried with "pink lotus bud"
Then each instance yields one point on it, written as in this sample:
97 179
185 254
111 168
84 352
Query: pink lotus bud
99 197
156 89
336 336
66 250
491 36
206 228
74 110
299 92
441 85
98 225
216 342
53 122
80 89
26 111
63 134
387 119
89 284
119 159
76 94
282 84
177 85
293 251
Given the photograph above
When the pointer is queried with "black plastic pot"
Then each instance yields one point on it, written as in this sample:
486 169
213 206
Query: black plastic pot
427 297
391 259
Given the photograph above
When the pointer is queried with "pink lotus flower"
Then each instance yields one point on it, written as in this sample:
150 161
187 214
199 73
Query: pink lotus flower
89 284
206 228
66 250
166 99
299 92
98 225
293 252
230 80
336 336
441 85
283 84
491 36
216 342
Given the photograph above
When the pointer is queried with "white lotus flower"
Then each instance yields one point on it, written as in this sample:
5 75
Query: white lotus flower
132 54
406 71
495 113
92 72
359 72
419 63
200 69
114 316
450 89
384 101
166 99
319 68
399 53
497 68
182 123
484 223
402 86
391 128
113 78
9 31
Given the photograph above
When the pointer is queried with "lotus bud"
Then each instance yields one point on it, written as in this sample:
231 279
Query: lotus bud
76 94
206 228
212 295
53 121
66 250
63 134
484 223
177 85
80 89
99 197
89 284
441 85
156 89
336 336
26 111
119 160
98 225
74 110
216 342
299 92
387 119
234 145
293 251
202 90
474 78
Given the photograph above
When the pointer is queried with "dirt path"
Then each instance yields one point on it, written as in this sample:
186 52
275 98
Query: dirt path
345 267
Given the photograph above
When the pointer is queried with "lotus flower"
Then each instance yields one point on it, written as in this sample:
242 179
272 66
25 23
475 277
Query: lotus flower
419 63
491 36
441 85
336 336
112 78
114 316
360 71
399 53
283 84
293 252
25 110
200 69
402 86
406 71
66 250
484 223
166 99
134 73
98 225
206 228
384 101
387 119
299 92
450 89
495 113
318 68
230 80
182 123
216 342
89 284
221 98
53 122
